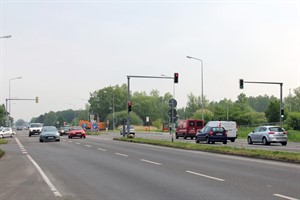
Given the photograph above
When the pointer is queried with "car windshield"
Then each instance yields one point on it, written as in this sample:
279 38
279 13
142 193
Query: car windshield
35 125
217 129
76 128
276 129
49 129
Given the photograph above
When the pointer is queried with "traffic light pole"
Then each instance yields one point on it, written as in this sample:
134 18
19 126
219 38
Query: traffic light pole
6 112
128 95
281 113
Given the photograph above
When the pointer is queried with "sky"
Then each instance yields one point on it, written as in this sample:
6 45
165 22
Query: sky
65 50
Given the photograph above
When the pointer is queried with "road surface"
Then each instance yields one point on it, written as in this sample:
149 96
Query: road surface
98 168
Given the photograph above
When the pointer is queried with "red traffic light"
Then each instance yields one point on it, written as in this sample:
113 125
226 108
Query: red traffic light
176 75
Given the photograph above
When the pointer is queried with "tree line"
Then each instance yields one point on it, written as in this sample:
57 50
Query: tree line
245 110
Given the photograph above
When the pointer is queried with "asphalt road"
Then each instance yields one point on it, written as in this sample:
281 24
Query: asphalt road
98 168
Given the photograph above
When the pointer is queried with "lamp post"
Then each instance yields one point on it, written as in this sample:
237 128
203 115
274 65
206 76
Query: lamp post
202 106
6 36
9 90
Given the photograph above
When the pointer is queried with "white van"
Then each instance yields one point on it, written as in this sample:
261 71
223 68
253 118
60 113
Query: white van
230 127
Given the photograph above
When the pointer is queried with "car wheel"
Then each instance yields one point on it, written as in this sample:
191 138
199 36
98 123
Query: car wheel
176 136
213 142
184 136
265 141
207 140
1 136
12 135
249 140
232 140
197 141
29 135
283 143
41 140
225 142
58 140
192 138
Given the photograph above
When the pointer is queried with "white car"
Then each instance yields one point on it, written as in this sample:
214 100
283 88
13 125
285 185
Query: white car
131 130
7 132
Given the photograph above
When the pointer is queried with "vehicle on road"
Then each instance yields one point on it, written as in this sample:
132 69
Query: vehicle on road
49 133
230 127
76 131
131 130
64 130
188 128
6 132
212 135
267 135
35 128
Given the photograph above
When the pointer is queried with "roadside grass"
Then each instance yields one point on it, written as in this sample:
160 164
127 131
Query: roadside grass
2 141
96 132
253 153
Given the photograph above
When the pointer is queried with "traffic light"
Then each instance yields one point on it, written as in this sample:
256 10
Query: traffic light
129 106
176 77
36 99
241 83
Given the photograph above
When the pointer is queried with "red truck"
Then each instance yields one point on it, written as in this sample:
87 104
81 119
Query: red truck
188 128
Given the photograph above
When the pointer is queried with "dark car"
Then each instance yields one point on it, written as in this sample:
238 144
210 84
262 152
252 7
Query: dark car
76 131
212 135
49 133
64 130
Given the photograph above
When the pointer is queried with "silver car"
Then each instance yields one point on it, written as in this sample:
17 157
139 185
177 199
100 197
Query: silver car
267 135
49 133
7 132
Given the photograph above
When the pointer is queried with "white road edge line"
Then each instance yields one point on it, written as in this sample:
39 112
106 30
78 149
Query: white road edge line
88 146
77 143
120 154
206 176
101 149
45 177
284 197
148 161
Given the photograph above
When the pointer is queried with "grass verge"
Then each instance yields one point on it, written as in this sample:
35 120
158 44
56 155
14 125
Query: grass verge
253 153
2 141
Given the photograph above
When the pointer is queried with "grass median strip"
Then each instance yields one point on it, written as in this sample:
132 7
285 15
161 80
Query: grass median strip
253 153
2 141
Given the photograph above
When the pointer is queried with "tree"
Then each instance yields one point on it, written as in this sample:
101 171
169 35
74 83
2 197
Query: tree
293 120
272 112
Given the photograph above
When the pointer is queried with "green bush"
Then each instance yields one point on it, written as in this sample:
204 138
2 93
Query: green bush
293 120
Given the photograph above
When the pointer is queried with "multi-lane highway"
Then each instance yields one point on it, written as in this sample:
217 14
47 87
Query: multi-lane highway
98 168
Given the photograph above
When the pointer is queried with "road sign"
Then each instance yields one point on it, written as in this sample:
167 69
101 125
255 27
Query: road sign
172 103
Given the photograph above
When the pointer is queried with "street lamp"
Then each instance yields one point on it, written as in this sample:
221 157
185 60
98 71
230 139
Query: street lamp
113 108
202 106
6 36
10 93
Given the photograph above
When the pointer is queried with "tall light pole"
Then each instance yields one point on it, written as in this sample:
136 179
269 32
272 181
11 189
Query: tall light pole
202 106
6 36
10 93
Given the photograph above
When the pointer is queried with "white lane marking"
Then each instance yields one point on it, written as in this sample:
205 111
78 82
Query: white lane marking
206 176
88 146
101 149
44 176
77 143
149 161
120 154
70 141
285 197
